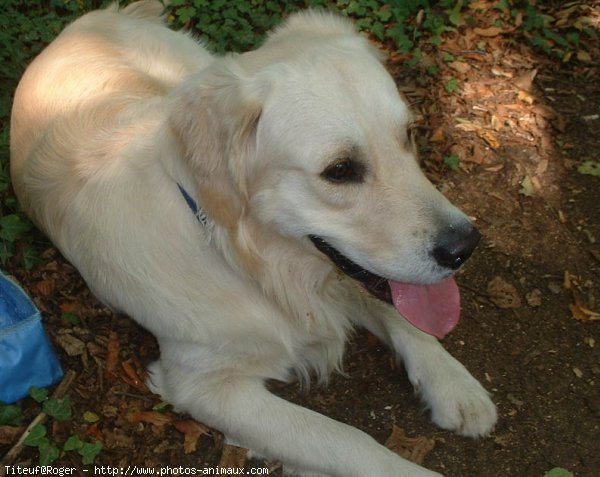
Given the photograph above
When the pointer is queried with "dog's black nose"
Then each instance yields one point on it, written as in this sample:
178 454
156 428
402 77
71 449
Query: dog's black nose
455 245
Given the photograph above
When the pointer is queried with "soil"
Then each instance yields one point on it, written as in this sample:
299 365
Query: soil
526 330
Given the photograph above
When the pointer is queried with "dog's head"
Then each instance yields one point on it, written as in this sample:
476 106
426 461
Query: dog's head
310 138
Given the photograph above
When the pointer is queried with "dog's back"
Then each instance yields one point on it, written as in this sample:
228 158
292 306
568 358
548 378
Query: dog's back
126 54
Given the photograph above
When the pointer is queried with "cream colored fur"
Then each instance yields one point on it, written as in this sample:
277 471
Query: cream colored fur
118 110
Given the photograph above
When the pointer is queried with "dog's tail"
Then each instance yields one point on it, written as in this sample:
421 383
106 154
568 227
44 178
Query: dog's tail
150 10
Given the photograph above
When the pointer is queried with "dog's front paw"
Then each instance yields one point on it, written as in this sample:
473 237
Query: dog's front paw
457 401
464 407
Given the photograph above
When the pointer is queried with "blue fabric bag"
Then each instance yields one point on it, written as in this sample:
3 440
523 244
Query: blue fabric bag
26 355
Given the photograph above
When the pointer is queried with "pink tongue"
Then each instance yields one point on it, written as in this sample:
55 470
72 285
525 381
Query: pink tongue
434 309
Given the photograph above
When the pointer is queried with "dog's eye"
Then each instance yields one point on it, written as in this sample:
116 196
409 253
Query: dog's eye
344 170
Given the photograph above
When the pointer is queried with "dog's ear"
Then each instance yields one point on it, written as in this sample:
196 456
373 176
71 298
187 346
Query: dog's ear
214 118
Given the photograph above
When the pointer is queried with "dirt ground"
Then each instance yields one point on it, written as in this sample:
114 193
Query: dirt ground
521 125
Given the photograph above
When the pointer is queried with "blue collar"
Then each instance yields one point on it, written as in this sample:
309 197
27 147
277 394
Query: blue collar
198 212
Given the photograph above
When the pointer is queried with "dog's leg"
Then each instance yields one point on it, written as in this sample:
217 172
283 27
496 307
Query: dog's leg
457 400
248 414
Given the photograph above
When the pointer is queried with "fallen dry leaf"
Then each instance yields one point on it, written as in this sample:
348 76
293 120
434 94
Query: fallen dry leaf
73 346
567 281
191 431
158 419
10 434
460 66
46 287
518 19
132 378
584 21
488 32
438 135
112 355
564 14
500 72
94 431
72 307
412 448
503 294
525 97
117 438
468 126
479 154
534 298
490 139
525 80
583 55
496 122
478 5
233 457
583 314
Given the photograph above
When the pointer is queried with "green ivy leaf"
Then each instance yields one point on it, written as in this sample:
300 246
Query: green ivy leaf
452 161
30 257
185 14
70 318
527 188
12 226
10 415
454 14
91 417
73 443
48 452
558 472
6 251
590 168
451 85
448 57
36 436
416 58
162 406
435 40
38 394
89 451
398 35
378 30
433 70
59 409
384 14
503 5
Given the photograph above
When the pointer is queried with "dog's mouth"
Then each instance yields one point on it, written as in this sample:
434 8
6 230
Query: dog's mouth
434 309
376 285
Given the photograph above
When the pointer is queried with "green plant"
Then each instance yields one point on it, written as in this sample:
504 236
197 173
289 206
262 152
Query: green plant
241 25
229 25
10 415
451 85
48 452
87 450
452 161
402 23
557 32
558 472
58 409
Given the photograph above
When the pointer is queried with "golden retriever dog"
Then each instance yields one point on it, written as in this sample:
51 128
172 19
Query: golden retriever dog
249 210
